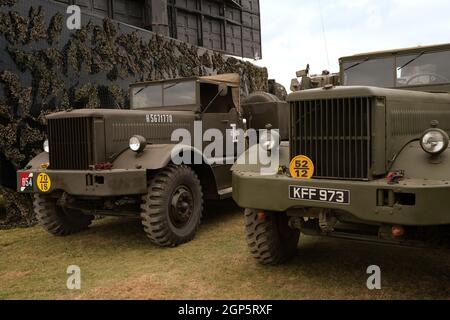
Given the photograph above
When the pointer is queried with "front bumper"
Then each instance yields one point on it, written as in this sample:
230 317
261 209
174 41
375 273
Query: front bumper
413 202
106 183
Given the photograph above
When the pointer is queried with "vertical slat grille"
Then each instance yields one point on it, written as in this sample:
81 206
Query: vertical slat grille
335 134
70 142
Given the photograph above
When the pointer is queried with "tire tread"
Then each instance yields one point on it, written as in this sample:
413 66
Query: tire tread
153 214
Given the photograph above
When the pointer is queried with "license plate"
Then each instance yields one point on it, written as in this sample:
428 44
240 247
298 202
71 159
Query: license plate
319 194
25 182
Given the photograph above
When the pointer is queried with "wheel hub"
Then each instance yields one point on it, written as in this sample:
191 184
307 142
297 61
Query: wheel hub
182 206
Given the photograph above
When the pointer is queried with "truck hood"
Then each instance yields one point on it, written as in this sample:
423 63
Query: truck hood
113 113
107 132
362 91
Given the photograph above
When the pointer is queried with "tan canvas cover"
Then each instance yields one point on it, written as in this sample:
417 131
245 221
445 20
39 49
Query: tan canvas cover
233 78
236 98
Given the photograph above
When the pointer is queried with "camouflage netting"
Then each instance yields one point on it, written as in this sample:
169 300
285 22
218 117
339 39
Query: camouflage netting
44 68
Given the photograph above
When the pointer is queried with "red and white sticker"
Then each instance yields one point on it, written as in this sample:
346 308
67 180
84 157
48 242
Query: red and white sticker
26 182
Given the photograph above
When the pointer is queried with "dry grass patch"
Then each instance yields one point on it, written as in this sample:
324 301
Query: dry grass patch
118 262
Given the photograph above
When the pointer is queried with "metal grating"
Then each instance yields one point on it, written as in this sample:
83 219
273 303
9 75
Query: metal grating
70 142
335 134
228 26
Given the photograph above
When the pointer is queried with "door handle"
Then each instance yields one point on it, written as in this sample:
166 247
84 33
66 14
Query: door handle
225 121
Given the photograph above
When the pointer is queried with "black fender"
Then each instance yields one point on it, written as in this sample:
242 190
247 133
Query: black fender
154 157
158 156
417 164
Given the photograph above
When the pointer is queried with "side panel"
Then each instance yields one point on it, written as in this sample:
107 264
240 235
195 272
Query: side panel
417 164
379 141
119 129
407 120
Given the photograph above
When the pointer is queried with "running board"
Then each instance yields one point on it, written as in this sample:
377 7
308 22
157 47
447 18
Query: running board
225 193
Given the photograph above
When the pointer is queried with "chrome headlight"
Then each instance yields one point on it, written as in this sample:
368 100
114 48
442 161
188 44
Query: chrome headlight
46 146
434 141
138 143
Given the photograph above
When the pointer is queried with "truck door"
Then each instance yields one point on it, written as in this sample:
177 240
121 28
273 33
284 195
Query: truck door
221 114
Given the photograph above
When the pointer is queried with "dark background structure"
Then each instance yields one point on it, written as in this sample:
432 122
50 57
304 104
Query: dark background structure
228 26
44 67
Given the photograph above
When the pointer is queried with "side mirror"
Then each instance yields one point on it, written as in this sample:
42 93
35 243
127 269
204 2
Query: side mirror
223 90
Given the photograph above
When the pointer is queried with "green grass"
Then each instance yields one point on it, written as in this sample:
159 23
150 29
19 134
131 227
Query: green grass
118 262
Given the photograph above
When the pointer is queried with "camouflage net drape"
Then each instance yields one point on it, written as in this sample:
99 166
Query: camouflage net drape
49 68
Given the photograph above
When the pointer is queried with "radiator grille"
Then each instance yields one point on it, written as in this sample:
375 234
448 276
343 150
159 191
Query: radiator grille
335 134
70 142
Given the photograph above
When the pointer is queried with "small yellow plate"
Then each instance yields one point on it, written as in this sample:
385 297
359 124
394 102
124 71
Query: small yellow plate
301 167
43 182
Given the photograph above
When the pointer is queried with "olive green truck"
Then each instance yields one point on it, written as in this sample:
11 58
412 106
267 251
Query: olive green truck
378 148
121 162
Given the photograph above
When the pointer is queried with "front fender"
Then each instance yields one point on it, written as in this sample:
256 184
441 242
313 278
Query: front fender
38 161
417 164
247 163
154 157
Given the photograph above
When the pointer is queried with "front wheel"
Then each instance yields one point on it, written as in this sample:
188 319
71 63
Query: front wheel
171 212
57 220
270 238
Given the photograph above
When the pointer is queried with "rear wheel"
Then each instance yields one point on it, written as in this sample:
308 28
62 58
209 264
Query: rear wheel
269 237
57 220
171 212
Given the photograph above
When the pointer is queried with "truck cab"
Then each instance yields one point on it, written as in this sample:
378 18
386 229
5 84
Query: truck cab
420 69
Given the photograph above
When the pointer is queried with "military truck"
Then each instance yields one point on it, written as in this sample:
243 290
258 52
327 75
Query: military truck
120 162
367 160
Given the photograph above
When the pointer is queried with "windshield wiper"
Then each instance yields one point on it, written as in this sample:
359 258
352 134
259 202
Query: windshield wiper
140 90
357 64
410 61
171 85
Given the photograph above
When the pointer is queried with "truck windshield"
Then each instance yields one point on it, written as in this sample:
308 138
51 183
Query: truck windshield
369 72
423 69
418 69
164 95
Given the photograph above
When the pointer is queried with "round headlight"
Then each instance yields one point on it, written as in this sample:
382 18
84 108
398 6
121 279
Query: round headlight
46 146
434 141
138 143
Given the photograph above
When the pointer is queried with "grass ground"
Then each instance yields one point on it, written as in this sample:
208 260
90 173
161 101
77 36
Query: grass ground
118 262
